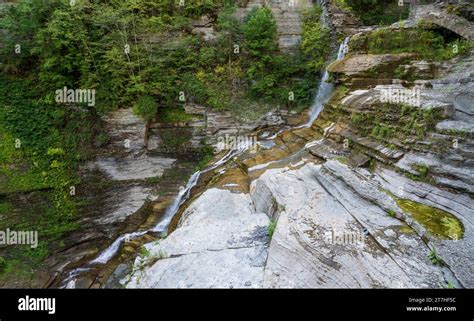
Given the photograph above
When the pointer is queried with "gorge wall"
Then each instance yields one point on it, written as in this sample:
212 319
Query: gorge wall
376 193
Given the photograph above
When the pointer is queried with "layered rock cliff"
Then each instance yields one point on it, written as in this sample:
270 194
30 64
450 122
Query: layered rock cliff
376 193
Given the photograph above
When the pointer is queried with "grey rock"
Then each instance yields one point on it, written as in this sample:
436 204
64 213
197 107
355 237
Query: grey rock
220 241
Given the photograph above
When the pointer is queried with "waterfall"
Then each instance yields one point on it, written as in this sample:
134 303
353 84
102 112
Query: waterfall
185 193
107 254
325 88
323 93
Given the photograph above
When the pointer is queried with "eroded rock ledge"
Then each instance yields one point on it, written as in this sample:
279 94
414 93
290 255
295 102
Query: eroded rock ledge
222 239
373 195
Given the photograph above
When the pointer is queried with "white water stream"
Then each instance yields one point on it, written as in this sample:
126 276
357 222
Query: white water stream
323 94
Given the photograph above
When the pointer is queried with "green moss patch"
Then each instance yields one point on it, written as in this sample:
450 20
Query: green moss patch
174 115
437 222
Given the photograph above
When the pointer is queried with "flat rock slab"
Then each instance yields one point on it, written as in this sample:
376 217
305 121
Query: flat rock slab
221 242
330 237
359 64
132 168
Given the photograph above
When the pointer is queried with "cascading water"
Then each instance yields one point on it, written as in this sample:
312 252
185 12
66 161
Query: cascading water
323 93
325 88
106 255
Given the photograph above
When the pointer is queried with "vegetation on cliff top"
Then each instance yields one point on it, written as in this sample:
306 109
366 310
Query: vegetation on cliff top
428 44
376 12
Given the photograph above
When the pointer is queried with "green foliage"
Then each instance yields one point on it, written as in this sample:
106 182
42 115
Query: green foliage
143 252
273 76
260 33
152 180
358 119
271 227
22 22
174 115
422 169
5 208
206 155
433 257
315 40
391 213
102 139
373 12
427 44
3 264
382 131
146 108
175 141
83 46
261 44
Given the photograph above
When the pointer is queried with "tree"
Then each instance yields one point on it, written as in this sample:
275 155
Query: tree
229 31
146 107
260 32
315 40
261 43
20 23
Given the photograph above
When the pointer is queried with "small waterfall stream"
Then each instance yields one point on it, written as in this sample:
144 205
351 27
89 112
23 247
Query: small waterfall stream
325 88
106 255
323 93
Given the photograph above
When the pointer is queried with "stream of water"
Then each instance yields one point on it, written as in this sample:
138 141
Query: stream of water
322 94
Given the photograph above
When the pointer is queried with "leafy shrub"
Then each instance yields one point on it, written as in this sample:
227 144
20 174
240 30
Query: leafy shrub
427 44
373 12
315 40
260 33
146 108
433 257
3 264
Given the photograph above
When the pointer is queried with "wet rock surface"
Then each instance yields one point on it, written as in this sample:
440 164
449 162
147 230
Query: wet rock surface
337 205
329 206
220 242
122 191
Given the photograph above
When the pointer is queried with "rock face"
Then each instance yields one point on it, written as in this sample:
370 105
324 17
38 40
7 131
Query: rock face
126 188
220 242
205 27
333 230
436 13
342 21
332 236
209 126
363 66
128 163
376 193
